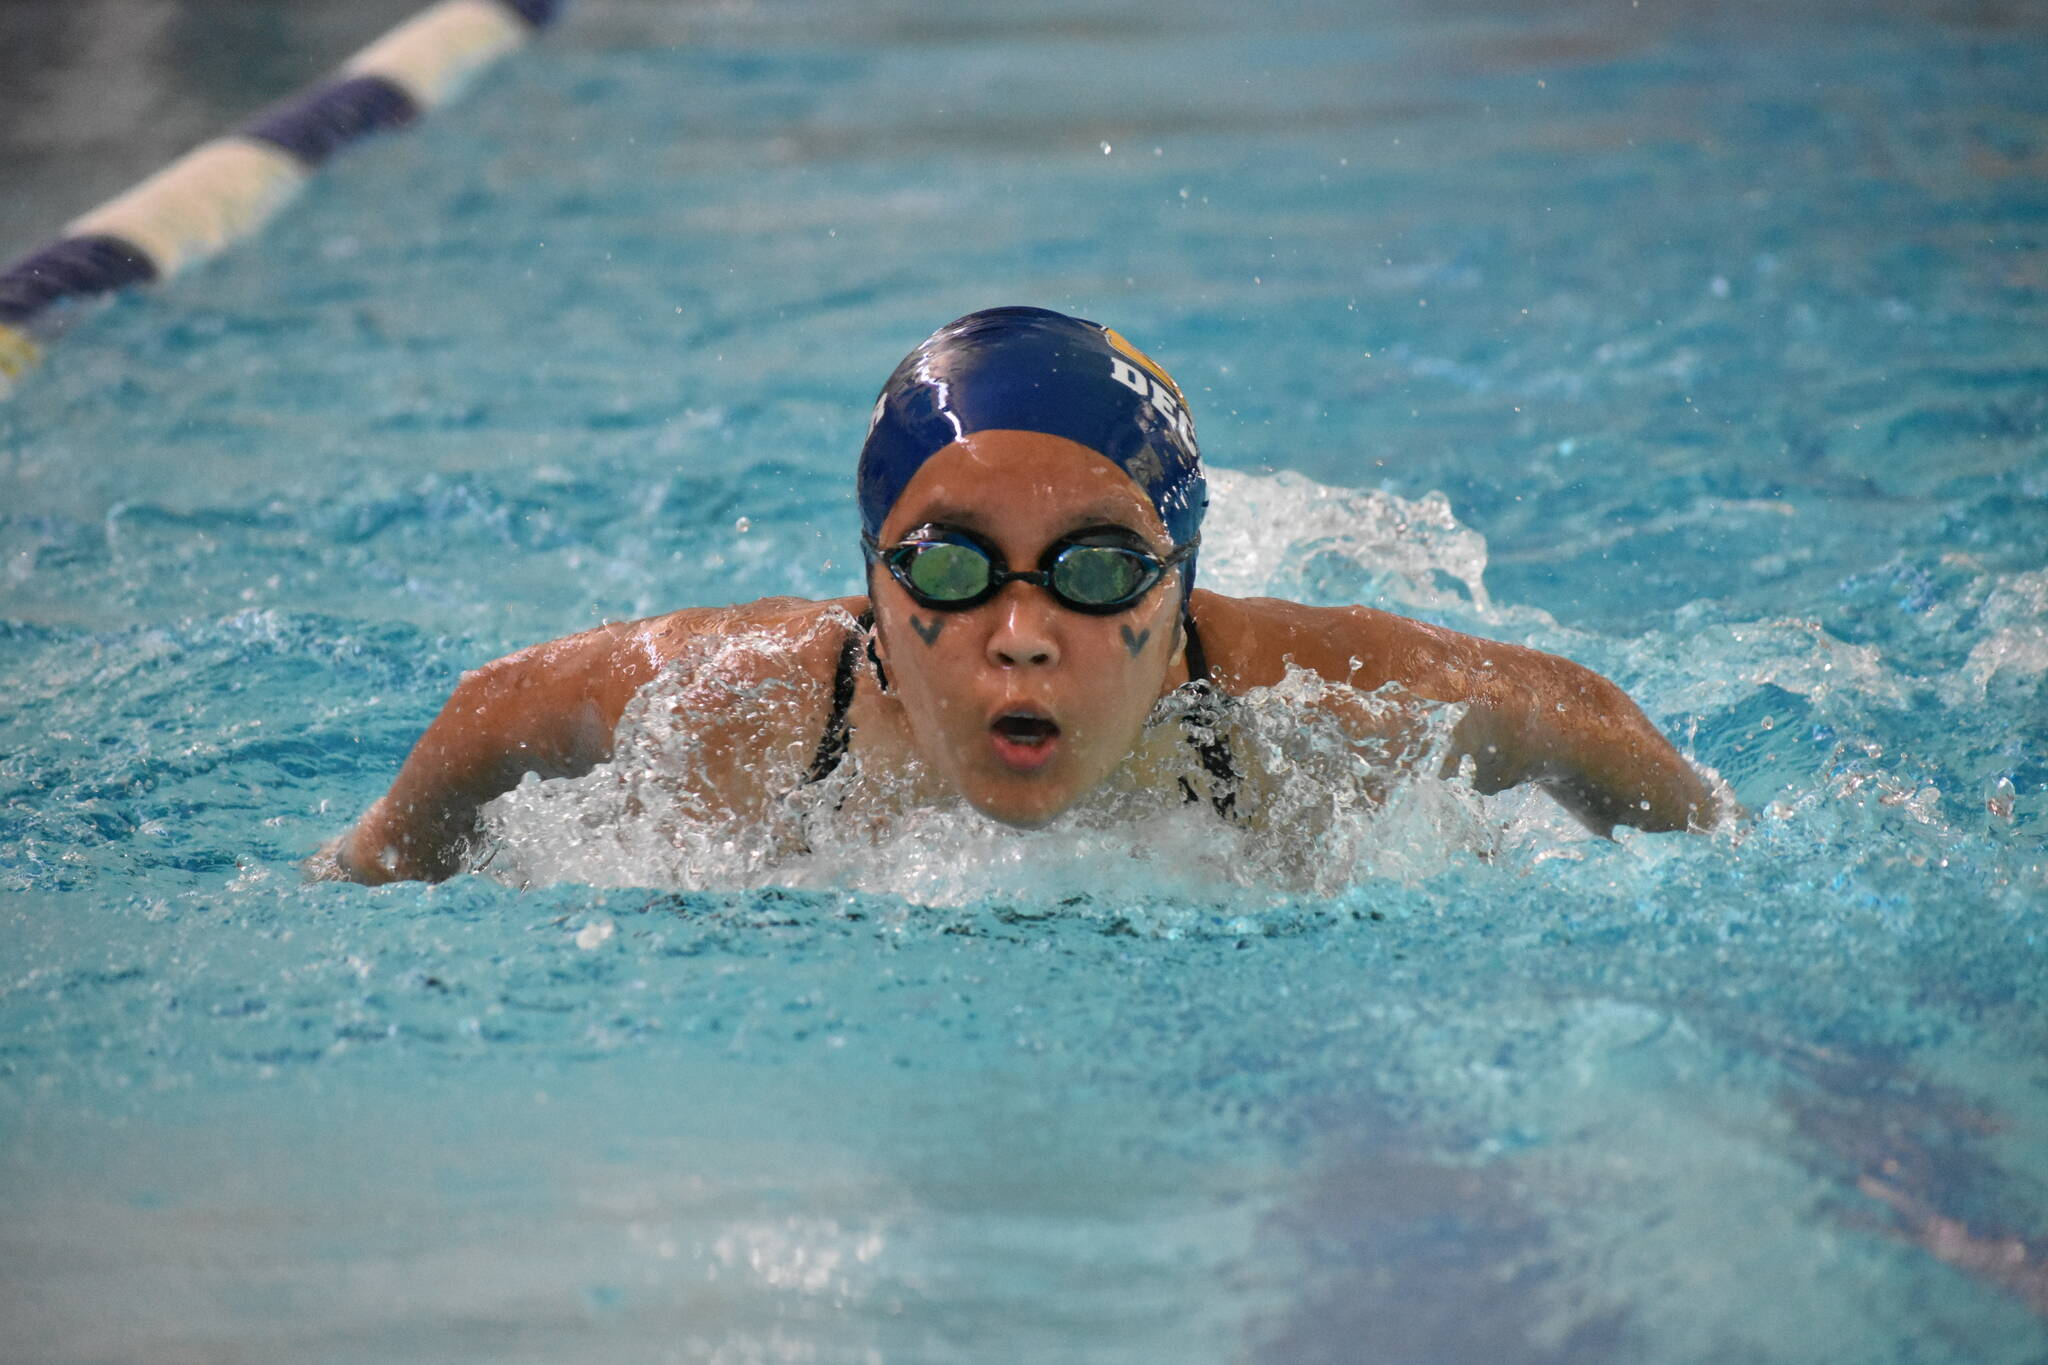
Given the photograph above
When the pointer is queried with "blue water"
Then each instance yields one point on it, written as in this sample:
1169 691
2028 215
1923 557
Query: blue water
1719 332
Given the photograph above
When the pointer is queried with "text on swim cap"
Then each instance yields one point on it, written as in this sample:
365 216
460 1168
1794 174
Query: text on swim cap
1158 395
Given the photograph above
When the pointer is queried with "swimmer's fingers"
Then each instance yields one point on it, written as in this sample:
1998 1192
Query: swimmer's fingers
1729 815
324 863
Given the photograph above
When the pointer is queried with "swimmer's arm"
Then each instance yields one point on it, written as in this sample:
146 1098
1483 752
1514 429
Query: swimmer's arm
1529 717
1590 746
549 710
1535 717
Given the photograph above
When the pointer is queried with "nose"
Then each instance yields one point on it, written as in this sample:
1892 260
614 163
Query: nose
1024 634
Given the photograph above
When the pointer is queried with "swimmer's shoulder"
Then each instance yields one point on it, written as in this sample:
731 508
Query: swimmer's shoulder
616 659
1252 641
802 630
1259 638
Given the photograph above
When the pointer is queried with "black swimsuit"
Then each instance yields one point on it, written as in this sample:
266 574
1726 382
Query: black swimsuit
1202 719
832 744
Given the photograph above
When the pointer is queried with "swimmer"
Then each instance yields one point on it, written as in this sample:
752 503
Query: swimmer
1031 502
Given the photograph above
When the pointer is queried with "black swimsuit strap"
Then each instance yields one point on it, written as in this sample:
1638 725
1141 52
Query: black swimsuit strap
838 733
1198 662
1203 723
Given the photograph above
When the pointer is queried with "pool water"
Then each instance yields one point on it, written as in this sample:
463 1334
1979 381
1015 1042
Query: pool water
1703 347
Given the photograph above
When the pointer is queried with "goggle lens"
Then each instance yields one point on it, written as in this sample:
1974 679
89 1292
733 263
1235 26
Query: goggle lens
948 569
946 572
1100 575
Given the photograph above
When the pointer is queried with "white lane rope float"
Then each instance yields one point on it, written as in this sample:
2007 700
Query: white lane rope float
226 189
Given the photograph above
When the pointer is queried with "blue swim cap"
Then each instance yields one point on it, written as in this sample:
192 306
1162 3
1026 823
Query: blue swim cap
1031 369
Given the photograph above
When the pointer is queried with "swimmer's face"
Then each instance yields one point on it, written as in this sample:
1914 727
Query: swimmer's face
1022 705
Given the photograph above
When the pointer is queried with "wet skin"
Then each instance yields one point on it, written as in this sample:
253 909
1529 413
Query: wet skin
1019 706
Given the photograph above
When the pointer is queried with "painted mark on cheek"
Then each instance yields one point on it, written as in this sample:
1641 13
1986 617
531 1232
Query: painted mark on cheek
930 634
1134 641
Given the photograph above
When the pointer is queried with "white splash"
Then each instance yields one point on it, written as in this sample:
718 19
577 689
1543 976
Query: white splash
1285 535
1338 787
2015 613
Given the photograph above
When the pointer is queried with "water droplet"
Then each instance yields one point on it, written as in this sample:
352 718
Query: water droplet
1999 798
743 526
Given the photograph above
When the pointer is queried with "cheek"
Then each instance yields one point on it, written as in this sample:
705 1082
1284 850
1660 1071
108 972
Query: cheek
920 662
1137 651
1144 642
1151 636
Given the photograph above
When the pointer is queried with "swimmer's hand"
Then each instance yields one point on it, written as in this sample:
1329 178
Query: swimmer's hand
324 863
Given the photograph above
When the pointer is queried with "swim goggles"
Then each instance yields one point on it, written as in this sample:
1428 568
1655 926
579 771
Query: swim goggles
947 569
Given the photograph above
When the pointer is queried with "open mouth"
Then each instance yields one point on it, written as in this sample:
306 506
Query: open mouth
1024 741
1027 730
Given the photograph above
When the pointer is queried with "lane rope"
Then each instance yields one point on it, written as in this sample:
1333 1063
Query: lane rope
226 189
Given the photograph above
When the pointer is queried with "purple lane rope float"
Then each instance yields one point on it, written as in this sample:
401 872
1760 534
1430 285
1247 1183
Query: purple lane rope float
226 189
